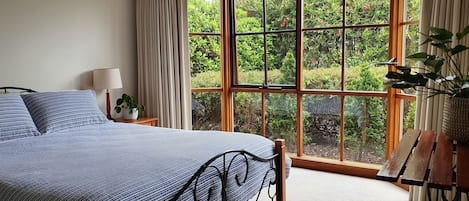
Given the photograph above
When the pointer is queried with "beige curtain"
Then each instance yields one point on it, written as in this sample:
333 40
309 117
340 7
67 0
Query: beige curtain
454 16
163 61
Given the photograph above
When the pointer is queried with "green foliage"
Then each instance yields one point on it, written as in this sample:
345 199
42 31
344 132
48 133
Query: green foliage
409 117
204 51
206 114
452 81
128 102
288 69
322 61
204 54
281 108
281 118
365 116
247 112
203 17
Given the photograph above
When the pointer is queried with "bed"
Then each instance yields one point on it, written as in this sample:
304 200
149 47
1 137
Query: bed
68 150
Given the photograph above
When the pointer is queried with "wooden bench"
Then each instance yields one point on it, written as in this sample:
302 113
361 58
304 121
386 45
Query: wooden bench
427 157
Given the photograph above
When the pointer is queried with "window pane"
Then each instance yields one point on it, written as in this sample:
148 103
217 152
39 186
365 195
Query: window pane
250 59
411 46
206 111
367 12
247 112
281 14
249 16
281 58
322 59
205 61
408 115
321 126
365 129
365 48
412 8
281 118
203 16
411 43
322 13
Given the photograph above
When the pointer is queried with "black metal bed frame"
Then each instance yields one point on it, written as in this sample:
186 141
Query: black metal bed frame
20 89
222 171
276 166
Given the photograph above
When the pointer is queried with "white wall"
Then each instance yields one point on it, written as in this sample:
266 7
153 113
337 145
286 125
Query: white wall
51 45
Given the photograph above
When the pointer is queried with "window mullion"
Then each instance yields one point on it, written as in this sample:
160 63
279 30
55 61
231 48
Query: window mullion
299 76
393 108
342 87
264 19
227 73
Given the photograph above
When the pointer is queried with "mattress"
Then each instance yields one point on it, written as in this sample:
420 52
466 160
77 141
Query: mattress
117 161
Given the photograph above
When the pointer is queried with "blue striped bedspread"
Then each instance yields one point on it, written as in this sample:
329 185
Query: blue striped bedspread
116 161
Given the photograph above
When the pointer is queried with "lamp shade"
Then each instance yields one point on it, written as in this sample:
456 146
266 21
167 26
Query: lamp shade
108 78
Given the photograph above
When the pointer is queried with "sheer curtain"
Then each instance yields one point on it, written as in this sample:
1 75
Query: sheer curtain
163 61
454 16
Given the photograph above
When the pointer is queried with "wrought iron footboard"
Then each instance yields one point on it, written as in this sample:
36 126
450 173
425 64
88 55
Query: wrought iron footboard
223 170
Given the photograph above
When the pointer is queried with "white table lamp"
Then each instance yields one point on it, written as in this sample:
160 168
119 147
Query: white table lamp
108 78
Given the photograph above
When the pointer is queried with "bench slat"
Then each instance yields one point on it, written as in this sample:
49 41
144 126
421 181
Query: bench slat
395 164
441 173
462 164
417 165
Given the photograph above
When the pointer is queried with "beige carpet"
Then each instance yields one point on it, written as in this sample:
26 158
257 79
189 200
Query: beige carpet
310 185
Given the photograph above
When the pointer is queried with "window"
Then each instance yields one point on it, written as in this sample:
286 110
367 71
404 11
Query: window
264 46
205 60
410 44
257 69
344 94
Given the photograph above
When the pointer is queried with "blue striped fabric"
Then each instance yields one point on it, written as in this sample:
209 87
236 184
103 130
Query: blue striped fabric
55 111
125 162
15 121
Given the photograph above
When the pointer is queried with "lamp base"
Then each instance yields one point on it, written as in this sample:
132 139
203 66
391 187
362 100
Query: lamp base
110 118
108 106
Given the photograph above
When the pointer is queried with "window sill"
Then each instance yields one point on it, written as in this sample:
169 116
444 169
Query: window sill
335 166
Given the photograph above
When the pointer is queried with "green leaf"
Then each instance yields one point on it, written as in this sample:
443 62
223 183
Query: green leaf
402 85
427 41
420 55
404 69
432 75
435 63
461 35
393 75
441 46
458 49
119 101
117 109
441 34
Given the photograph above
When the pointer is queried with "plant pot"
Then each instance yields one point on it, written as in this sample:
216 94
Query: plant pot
126 114
456 119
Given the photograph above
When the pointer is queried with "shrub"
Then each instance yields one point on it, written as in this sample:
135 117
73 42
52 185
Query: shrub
281 108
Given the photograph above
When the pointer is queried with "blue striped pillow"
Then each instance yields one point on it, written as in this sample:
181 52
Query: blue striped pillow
15 120
55 111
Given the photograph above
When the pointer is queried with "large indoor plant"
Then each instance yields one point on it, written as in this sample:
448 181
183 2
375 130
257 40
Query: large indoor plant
443 74
129 106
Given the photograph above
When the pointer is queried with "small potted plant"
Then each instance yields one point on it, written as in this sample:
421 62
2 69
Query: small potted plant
129 106
445 74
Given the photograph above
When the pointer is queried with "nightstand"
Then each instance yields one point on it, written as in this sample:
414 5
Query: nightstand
147 121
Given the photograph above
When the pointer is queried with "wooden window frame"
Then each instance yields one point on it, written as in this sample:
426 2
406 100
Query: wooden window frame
394 97
264 33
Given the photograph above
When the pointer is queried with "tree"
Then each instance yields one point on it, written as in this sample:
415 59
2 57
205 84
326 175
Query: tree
365 116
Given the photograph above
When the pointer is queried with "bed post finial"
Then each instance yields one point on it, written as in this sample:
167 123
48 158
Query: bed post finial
280 170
